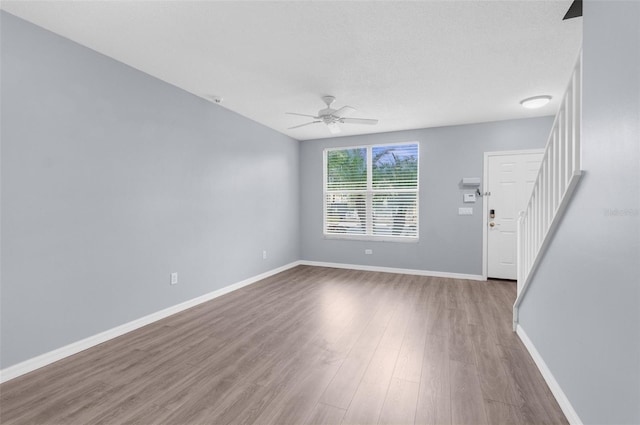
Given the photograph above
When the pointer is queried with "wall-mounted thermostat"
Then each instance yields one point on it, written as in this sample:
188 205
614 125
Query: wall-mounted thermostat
469 197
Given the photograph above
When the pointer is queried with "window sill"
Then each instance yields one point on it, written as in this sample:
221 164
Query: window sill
367 238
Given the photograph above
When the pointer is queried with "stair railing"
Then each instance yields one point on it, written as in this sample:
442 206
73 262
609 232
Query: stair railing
559 173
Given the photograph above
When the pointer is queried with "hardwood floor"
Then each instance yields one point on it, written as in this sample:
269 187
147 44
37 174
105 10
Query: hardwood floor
307 346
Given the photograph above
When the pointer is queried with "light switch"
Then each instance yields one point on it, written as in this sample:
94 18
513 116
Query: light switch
465 211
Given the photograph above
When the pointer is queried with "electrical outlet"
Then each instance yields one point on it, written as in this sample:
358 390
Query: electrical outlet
264 254
174 278
368 251
465 211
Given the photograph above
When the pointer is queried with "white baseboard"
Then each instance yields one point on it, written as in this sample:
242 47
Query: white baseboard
45 359
560 396
392 270
73 348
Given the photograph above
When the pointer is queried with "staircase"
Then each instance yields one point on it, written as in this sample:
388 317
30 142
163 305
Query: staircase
558 176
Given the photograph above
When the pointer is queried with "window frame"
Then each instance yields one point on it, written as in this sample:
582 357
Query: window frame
369 192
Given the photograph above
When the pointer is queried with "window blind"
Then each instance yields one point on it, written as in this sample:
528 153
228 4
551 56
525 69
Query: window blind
372 191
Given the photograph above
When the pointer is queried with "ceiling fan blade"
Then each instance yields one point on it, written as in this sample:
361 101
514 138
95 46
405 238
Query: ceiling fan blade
344 111
301 115
302 125
333 128
359 121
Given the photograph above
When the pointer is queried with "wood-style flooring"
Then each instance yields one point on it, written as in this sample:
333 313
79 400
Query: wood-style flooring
307 346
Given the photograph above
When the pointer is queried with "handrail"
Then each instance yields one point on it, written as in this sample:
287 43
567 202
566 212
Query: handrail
557 179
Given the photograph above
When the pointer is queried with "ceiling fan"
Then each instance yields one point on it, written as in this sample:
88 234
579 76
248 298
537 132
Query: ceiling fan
332 117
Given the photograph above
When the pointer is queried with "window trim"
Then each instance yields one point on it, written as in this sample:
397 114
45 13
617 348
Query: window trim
369 192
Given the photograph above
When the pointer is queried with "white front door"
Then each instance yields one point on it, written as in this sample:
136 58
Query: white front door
509 182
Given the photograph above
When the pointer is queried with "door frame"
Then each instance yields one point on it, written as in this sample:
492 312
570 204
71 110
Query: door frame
485 205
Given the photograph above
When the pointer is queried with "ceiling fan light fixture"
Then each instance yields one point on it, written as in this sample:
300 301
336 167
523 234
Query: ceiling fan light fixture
332 118
333 128
535 102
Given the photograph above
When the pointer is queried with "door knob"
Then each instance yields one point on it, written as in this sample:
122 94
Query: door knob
492 224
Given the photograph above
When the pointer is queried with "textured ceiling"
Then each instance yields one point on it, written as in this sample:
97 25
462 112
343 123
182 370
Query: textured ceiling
411 64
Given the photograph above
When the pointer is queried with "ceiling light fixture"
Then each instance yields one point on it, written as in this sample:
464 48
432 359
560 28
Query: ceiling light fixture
535 102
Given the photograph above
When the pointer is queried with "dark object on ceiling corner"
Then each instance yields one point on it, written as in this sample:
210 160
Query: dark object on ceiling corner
575 10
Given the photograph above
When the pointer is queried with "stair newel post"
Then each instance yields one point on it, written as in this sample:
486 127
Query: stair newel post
520 267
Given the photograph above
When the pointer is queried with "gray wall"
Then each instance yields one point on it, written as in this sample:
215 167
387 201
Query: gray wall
582 311
447 242
111 180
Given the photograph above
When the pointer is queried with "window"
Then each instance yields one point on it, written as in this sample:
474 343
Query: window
371 192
